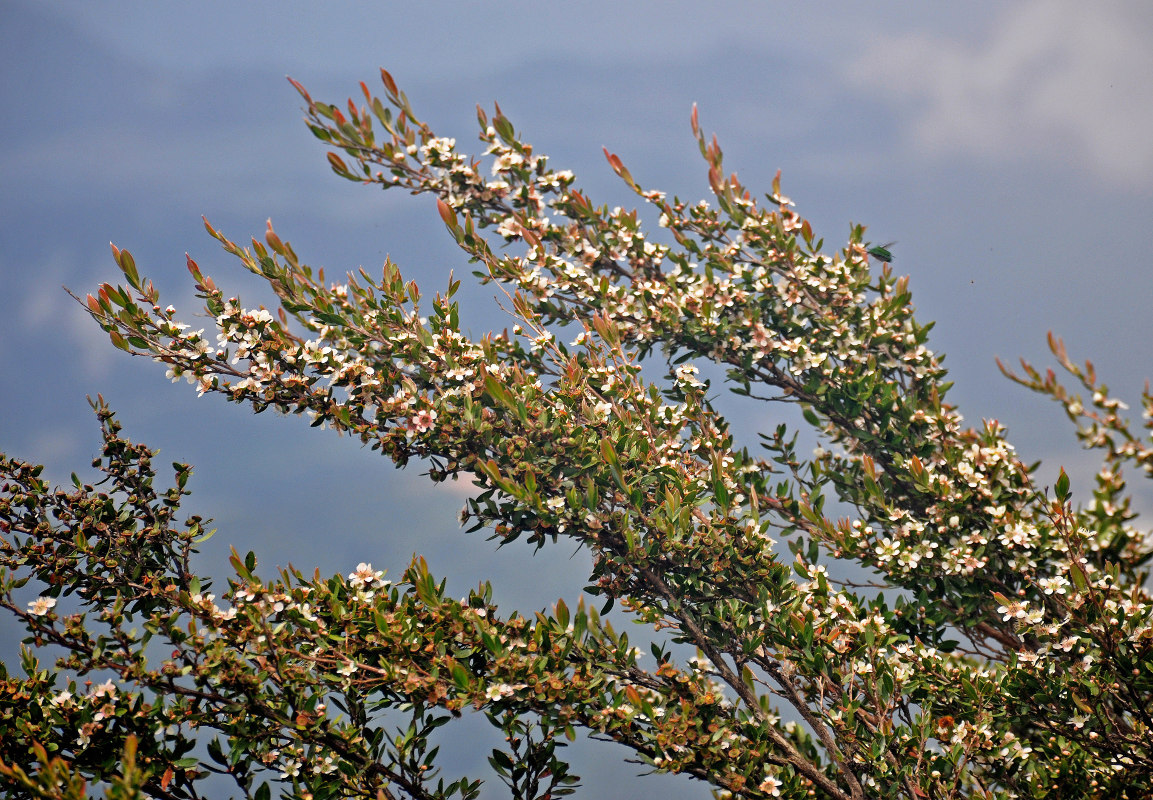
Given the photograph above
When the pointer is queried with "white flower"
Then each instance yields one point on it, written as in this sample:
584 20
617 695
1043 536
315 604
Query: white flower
772 786
245 594
365 575
886 549
442 147
686 374
106 689
509 229
422 420
506 161
41 606
327 766
1014 609
498 690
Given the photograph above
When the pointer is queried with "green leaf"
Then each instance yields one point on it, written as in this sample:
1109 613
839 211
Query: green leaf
128 265
496 390
1077 574
500 761
238 566
504 128
119 341
460 676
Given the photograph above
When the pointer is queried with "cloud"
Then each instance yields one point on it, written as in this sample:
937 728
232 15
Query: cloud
1050 78
46 310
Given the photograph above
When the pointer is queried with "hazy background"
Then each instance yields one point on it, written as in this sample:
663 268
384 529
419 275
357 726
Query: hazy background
1007 147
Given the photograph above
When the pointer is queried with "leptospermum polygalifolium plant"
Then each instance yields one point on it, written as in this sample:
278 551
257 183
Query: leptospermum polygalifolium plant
1003 648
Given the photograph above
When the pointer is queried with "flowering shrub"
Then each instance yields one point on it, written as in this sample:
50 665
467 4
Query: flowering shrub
1003 648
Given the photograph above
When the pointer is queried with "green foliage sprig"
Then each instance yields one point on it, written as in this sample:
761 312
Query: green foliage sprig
1003 650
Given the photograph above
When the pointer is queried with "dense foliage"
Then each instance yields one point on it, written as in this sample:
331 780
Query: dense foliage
1002 648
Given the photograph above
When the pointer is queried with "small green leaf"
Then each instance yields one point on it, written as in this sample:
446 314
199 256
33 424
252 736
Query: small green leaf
500 760
497 391
128 265
1077 573
119 341
504 128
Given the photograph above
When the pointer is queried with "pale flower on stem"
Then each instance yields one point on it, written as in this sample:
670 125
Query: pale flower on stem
41 606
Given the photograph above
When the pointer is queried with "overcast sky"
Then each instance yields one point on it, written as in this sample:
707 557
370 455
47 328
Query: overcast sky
1005 146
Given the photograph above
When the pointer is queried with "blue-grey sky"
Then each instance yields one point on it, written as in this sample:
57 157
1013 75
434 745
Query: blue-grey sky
1005 146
